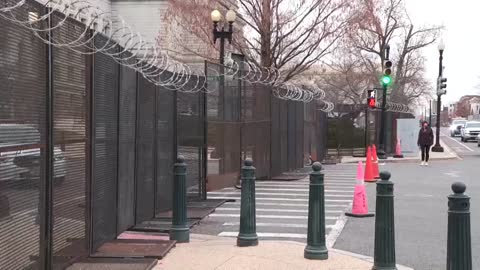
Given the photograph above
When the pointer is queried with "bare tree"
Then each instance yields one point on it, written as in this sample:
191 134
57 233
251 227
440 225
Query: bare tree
345 79
291 35
379 23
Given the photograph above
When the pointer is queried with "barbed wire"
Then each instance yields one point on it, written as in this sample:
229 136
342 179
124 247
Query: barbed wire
249 72
112 36
123 44
396 107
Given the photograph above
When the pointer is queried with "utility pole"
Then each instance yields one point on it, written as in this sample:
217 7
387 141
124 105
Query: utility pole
386 81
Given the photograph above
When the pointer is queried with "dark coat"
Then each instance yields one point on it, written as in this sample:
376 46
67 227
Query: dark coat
425 137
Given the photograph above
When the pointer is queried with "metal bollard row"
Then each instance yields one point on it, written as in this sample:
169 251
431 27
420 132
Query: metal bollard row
459 250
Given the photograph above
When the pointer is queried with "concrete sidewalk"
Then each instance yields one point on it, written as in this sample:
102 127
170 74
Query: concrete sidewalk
205 252
448 154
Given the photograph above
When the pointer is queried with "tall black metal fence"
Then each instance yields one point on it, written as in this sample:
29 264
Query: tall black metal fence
246 120
87 146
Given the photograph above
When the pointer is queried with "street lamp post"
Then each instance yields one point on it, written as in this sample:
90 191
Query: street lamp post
438 147
223 35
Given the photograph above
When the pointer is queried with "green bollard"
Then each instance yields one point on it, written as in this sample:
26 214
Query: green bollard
180 231
459 245
384 251
316 248
248 225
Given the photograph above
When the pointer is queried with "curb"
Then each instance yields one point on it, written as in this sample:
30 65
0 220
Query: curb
404 160
365 258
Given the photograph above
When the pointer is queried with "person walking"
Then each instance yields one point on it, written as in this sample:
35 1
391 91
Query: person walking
425 141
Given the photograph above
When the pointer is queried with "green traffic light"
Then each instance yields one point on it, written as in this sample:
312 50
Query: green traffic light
386 80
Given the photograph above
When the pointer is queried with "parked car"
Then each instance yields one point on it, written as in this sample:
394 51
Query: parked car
20 158
470 131
456 126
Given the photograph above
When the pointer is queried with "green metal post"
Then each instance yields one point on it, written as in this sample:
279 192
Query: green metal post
384 251
459 245
316 248
180 231
248 228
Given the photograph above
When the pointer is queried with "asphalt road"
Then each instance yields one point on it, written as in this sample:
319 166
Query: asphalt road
463 149
421 211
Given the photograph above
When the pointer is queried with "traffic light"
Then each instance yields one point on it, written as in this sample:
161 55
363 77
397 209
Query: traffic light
441 85
387 73
371 99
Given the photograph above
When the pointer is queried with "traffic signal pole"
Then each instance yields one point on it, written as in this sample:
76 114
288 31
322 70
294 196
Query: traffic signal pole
381 154
381 149
438 147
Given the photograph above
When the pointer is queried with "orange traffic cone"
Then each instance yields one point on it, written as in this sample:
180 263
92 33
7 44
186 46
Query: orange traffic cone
360 205
369 177
376 172
398 150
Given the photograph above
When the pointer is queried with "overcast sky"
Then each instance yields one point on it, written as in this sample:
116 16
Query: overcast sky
461 19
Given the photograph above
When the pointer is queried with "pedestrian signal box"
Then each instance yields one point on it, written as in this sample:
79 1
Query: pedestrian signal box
371 99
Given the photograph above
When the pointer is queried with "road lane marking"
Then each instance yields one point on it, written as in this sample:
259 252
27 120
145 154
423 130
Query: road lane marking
268 235
305 184
274 199
453 174
277 225
277 210
280 194
419 195
468 148
270 216
336 231
349 190
303 205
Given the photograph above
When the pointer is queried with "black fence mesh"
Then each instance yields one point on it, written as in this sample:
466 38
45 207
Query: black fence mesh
115 137
165 148
190 138
287 136
224 129
347 130
126 147
255 104
23 93
246 120
105 144
70 123
145 151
